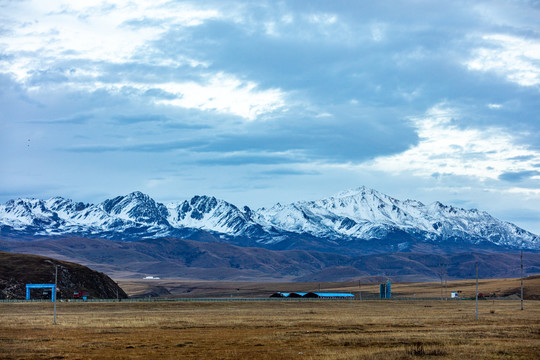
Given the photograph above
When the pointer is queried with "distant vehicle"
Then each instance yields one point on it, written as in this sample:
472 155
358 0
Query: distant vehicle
151 278
80 295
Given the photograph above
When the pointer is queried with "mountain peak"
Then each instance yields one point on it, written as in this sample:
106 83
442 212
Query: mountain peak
352 215
353 192
138 195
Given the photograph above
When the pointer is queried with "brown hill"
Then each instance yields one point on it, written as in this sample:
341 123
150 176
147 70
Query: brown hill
170 258
17 270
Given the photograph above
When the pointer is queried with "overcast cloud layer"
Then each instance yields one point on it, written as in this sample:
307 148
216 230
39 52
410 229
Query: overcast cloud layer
259 102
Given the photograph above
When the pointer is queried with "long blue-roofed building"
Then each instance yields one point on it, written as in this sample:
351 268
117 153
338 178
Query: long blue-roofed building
313 295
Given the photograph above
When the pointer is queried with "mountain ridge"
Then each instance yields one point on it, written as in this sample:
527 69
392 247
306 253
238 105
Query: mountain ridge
350 220
171 258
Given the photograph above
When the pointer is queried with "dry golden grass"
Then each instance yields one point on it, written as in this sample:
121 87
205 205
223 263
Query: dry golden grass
272 330
186 288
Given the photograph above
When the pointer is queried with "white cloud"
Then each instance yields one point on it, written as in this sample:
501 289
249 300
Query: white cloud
226 94
221 92
517 59
43 32
494 106
322 18
378 32
445 148
529 193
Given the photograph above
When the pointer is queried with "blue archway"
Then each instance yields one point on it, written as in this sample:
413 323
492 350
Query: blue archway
41 286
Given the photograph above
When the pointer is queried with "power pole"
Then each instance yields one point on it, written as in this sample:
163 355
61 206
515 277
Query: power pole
476 291
55 287
446 279
360 290
441 276
522 279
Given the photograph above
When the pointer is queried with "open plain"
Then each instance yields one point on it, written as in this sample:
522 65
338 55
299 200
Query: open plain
391 329
365 289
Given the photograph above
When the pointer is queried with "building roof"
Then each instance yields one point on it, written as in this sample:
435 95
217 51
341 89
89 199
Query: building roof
331 295
312 295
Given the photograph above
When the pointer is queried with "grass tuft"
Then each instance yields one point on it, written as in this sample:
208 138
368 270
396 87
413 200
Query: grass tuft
418 349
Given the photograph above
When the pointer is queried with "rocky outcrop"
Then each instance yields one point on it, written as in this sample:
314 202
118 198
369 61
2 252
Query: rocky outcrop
17 270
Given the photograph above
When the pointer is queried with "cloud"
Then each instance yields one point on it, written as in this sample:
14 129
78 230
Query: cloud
82 38
139 118
289 172
77 119
90 31
519 175
246 158
156 147
125 60
445 148
515 58
225 94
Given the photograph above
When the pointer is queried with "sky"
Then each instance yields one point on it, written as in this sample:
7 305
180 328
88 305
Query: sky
258 102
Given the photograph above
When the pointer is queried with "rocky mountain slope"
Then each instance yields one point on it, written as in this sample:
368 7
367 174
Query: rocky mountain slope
358 220
17 270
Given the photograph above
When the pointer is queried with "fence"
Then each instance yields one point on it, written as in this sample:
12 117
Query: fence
224 299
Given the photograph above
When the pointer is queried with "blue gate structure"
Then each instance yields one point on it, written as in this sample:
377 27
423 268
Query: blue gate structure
41 286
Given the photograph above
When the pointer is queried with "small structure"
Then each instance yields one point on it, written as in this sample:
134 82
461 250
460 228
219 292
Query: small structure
455 294
80 295
385 290
320 295
288 295
280 295
297 295
41 286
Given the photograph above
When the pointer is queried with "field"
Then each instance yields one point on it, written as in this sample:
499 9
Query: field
272 330
500 288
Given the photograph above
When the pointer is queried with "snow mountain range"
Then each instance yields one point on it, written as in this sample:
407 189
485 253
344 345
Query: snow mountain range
356 220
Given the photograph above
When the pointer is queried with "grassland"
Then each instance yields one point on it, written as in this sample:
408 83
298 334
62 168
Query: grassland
272 330
501 288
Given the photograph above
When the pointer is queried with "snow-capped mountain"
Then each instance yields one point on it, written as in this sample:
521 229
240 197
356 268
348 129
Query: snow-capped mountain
364 214
136 214
347 219
209 213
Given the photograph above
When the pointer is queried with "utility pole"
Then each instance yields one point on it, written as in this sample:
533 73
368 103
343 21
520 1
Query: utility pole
359 290
476 291
441 276
522 279
55 287
446 279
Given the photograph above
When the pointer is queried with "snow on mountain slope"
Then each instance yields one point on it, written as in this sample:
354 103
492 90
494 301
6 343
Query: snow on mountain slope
61 216
364 213
209 213
26 212
355 214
